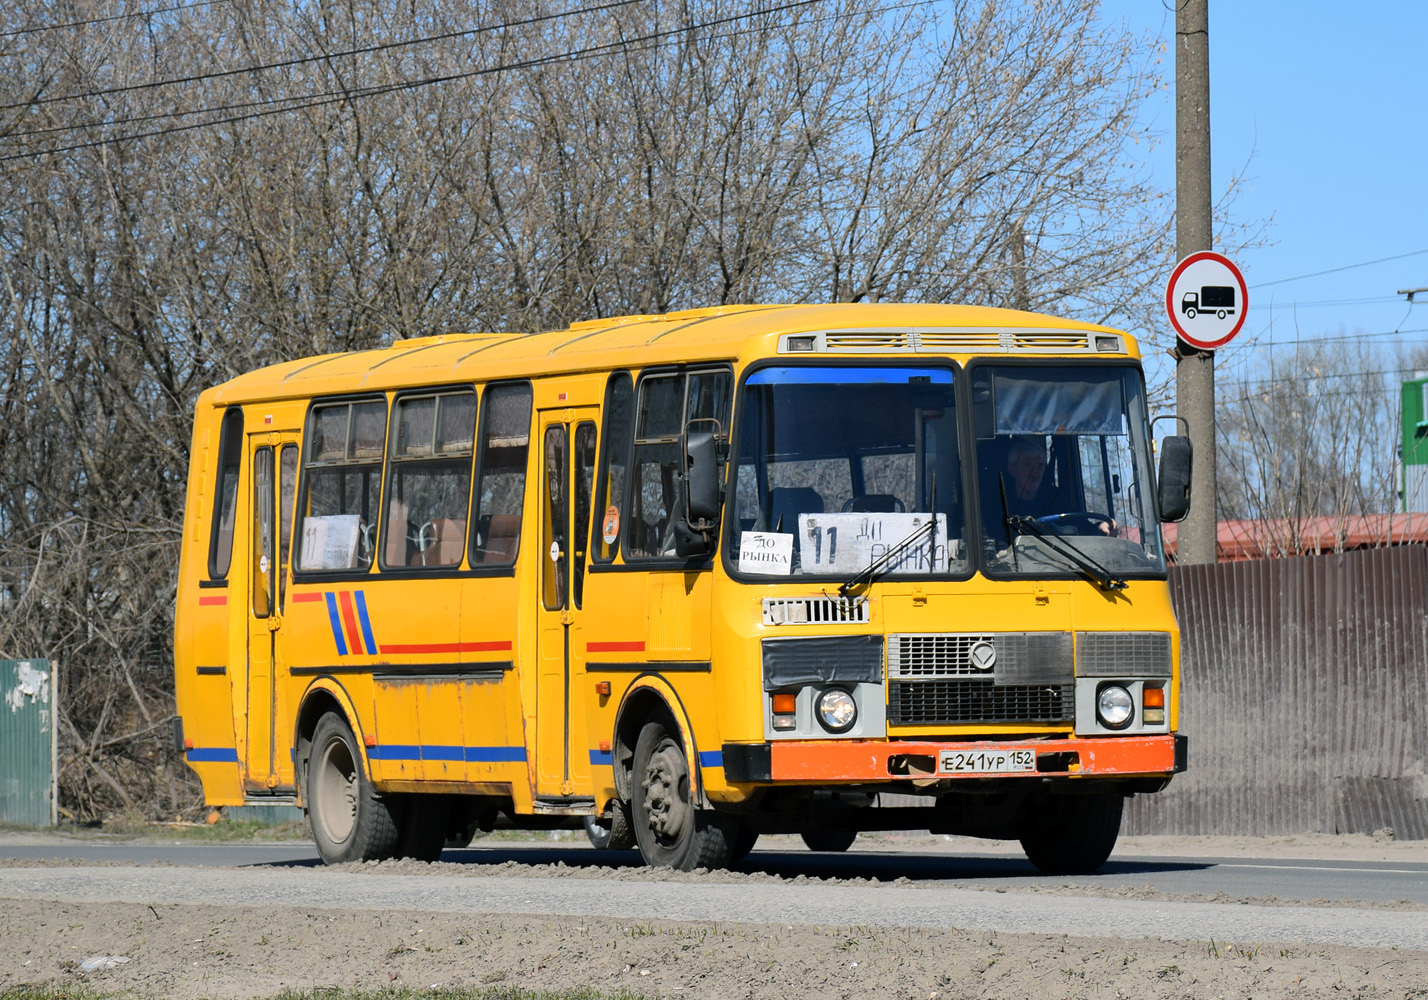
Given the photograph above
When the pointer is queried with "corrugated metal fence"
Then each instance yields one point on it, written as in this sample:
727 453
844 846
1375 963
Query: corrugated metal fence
27 743
1305 697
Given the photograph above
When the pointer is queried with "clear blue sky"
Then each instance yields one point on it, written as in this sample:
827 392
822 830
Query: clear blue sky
1323 108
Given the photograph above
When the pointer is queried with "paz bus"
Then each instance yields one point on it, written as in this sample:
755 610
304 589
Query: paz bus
687 579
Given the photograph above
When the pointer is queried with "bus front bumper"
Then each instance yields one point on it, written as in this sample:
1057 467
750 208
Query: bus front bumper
820 761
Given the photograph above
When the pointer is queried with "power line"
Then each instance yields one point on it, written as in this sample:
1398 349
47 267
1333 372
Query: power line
1346 267
39 28
287 63
640 43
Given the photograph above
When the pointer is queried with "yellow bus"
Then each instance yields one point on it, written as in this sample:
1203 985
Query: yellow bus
686 579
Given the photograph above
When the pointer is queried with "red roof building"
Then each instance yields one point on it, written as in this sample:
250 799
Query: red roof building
1279 538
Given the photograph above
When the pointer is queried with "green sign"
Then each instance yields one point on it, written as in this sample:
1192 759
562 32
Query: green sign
27 743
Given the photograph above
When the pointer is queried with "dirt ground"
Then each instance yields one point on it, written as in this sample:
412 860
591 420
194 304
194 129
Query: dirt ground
243 952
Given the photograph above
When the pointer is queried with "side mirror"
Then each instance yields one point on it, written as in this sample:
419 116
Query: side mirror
1176 459
701 477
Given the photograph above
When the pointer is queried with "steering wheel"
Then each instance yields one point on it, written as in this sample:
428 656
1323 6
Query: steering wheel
1077 522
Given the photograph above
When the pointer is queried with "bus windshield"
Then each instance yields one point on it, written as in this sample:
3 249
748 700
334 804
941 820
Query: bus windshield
841 467
1063 471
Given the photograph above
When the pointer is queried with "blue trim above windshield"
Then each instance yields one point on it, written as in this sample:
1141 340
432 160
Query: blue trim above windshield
807 375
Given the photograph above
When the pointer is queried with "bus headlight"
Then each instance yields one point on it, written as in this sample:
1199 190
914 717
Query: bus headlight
836 710
1114 706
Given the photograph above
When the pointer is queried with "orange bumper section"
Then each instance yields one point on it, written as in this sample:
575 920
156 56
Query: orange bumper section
880 761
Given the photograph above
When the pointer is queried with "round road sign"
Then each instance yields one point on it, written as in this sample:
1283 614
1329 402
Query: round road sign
1206 300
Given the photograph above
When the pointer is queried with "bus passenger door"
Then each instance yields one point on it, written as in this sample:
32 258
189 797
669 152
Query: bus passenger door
274 479
567 474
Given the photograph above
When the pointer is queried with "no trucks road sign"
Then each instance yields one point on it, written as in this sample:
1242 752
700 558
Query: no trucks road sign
1206 300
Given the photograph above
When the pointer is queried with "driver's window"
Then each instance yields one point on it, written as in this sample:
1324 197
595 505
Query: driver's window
341 479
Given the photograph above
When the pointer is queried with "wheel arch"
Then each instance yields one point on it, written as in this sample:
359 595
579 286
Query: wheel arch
648 696
323 695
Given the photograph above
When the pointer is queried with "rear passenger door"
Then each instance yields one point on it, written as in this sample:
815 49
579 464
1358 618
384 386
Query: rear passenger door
568 442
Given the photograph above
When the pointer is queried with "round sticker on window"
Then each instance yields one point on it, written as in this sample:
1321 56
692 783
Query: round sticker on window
610 528
555 552
263 564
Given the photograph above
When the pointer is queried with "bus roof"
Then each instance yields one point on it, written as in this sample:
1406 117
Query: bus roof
723 333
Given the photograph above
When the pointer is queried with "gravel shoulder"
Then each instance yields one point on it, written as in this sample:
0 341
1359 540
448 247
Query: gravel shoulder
198 949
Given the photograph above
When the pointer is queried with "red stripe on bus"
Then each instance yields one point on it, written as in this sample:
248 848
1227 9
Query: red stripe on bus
615 647
308 597
447 647
349 619
205 601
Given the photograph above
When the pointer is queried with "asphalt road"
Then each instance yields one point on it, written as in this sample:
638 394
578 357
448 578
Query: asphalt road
1340 882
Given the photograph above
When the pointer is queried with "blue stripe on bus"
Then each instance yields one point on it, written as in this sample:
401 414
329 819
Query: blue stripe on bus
213 755
361 599
336 623
495 755
601 758
711 758
416 752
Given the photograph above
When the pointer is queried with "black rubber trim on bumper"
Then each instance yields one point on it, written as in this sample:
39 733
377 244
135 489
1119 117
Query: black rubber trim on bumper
747 762
1182 752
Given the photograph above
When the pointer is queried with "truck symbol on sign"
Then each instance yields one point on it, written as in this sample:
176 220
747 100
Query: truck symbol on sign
1217 299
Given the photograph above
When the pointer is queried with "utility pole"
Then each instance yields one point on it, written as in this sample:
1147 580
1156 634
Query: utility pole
1194 368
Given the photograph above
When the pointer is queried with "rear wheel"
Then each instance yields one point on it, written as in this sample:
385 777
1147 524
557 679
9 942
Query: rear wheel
671 831
744 842
1072 834
350 821
423 827
833 841
611 831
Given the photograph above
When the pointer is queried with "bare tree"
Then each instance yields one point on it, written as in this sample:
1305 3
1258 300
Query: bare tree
193 191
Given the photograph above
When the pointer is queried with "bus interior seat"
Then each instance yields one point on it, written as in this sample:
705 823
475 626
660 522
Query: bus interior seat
787 502
875 503
445 549
502 537
395 546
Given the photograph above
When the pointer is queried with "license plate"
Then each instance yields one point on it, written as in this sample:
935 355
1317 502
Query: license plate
987 761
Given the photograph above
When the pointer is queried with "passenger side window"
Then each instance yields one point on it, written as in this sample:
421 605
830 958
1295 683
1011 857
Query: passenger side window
501 486
614 466
667 402
429 480
225 506
340 487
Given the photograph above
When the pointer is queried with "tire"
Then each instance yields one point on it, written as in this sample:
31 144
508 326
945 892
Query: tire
743 843
1072 834
423 827
1189 313
349 820
670 830
1220 314
611 831
832 841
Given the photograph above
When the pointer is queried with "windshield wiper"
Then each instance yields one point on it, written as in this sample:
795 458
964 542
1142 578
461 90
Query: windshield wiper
879 564
1092 570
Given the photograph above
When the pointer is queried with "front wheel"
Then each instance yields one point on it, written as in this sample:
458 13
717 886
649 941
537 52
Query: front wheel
671 830
350 821
1072 834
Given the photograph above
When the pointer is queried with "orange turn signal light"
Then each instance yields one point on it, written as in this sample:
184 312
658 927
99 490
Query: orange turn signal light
602 687
1154 697
785 704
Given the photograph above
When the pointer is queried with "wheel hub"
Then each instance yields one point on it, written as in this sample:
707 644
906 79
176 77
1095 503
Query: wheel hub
665 786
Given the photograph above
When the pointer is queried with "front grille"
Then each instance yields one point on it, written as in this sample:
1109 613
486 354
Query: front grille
1123 654
933 655
1020 657
918 703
